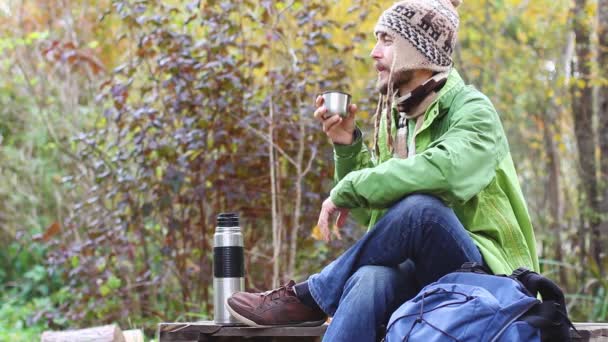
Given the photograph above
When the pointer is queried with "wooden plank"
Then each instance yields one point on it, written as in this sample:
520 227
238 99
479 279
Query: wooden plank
207 331
590 332
106 333
195 331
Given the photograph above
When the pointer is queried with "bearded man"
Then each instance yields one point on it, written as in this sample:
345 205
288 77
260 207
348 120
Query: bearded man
438 188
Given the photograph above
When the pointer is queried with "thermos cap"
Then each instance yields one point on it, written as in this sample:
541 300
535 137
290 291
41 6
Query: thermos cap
228 220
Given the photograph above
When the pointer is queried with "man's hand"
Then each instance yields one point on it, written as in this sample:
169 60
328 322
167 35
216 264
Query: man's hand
328 209
340 130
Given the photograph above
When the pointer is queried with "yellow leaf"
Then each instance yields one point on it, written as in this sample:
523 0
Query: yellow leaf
522 36
580 83
316 233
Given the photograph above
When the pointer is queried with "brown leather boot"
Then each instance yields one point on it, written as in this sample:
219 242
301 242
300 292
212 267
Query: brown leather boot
279 307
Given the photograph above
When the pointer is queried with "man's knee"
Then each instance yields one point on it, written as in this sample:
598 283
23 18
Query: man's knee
372 278
416 204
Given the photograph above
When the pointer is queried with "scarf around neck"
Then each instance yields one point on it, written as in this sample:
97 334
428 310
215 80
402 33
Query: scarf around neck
412 106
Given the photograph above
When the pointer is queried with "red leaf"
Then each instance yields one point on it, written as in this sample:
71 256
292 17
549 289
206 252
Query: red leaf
51 231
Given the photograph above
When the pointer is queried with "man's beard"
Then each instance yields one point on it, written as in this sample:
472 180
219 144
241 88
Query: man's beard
399 78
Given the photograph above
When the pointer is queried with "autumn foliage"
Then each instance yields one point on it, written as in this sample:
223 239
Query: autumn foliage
127 126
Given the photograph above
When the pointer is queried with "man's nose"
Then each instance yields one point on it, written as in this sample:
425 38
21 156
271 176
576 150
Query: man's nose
376 52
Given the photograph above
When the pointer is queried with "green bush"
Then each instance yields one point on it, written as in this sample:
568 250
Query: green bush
36 126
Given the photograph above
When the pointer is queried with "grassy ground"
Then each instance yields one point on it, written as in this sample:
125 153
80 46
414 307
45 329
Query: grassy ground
15 320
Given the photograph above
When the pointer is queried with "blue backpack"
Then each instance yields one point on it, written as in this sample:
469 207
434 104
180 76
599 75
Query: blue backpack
473 305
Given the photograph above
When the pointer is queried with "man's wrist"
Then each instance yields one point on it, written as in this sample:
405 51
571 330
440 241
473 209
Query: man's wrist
347 151
356 135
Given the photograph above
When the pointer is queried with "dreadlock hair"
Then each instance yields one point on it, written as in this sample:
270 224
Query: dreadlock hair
385 104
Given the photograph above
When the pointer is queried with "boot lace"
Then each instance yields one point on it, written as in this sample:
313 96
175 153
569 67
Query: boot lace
277 293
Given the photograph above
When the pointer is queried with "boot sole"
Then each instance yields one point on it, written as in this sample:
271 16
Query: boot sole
251 323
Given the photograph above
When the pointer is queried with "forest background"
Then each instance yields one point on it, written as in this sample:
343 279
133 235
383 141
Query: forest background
126 126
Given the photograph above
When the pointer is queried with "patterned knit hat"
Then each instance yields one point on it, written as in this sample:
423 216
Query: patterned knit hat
424 33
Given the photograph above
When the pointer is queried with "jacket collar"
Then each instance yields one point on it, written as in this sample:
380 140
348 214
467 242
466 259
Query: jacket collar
452 86
444 99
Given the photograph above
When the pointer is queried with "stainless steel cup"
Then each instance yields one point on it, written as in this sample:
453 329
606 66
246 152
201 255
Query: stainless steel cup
228 266
336 102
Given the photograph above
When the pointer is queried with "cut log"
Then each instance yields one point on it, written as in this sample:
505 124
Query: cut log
134 335
106 333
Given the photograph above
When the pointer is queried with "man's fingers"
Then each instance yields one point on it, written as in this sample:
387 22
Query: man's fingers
336 231
319 101
331 122
325 233
340 221
323 224
321 110
342 218
320 113
352 109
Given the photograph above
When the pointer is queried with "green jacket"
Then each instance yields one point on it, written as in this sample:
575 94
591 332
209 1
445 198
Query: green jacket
462 158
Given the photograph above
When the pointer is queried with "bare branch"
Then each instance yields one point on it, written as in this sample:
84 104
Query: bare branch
267 139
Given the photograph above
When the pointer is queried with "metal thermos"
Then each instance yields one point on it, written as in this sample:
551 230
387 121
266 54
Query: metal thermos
228 265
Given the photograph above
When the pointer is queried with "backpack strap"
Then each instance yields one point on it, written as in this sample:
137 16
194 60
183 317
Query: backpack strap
536 283
551 315
474 267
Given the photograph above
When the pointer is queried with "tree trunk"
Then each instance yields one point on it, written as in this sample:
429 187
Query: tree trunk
582 108
603 116
293 243
555 186
203 260
276 238
556 205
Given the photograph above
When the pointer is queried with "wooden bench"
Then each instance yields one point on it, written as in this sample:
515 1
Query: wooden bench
592 332
208 331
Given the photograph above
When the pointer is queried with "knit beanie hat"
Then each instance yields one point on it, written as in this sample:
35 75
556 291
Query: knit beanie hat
424 33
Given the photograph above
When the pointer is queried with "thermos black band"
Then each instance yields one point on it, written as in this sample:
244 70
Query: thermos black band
228 262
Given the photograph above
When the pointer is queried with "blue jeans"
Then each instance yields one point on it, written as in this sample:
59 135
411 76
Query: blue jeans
416 242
